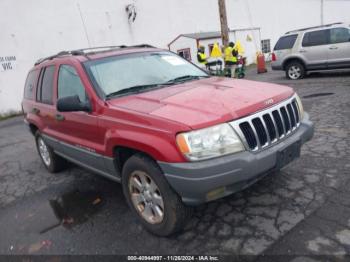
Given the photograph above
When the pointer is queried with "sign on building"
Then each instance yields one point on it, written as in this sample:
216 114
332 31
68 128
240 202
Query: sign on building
7 63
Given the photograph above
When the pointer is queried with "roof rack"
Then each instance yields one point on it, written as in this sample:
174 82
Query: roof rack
314 27
62 53
88 51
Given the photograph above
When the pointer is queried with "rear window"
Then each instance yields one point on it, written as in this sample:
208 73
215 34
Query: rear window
320 37
30 84
285 42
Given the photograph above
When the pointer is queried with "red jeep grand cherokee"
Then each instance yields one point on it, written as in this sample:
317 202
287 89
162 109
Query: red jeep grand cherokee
170 133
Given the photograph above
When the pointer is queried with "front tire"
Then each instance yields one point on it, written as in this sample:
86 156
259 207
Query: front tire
151 198
295 70
51 161
241 75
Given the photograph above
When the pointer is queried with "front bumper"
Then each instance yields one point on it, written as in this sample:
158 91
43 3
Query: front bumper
228 174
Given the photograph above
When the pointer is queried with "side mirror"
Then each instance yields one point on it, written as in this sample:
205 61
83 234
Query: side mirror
72 103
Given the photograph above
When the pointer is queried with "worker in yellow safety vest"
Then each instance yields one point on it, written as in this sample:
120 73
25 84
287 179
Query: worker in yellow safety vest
201 56
231 58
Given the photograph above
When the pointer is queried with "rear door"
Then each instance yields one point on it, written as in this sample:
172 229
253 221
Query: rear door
314 49
44 107
339 49
78 132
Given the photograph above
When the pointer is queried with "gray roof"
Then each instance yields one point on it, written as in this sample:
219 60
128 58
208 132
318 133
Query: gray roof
203 35
214 34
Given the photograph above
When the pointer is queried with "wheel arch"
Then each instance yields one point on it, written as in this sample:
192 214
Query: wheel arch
122 153
33 128
292 59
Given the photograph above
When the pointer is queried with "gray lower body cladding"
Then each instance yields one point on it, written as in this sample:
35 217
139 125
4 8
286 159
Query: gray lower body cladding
229 174
276 66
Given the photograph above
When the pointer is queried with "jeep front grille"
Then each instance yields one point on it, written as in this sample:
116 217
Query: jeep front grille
269 126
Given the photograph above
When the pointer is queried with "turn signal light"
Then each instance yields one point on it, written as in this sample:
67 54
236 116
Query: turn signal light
182 144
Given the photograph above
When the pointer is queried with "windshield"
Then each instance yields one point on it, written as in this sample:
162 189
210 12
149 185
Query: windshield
121 75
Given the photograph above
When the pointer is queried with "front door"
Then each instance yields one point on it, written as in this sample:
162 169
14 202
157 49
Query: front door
78 132
339 49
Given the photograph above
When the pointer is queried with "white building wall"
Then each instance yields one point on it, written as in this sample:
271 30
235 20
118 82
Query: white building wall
31 29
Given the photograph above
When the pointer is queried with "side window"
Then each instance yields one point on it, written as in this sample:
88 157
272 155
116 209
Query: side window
285 42
45 90
315 38
30 85
340 35
69 83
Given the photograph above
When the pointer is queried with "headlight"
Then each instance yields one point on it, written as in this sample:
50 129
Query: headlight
300 105
209 142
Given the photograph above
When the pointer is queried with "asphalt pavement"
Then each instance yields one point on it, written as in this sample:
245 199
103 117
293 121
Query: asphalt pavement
303 210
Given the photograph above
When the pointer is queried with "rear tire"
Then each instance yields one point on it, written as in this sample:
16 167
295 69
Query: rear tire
160 217
53 162
295 70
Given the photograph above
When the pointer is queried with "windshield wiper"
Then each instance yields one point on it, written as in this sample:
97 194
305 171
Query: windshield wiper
135 89
139 88
185 78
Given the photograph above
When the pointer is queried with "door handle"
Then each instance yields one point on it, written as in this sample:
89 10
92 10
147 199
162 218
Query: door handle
333 48
302 51
35 111
59 117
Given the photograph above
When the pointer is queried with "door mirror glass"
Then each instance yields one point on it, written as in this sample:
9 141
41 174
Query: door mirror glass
72 103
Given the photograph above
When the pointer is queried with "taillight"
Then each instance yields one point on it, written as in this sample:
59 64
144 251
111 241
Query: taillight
273 57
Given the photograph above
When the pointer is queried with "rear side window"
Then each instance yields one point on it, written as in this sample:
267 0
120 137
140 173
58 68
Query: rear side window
29 87
45 90
340 35
69 83
285 42
315 38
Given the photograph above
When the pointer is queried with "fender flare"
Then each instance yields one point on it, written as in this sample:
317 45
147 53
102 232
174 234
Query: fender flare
289 59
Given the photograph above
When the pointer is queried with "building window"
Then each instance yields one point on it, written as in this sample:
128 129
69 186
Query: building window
265 46
185 53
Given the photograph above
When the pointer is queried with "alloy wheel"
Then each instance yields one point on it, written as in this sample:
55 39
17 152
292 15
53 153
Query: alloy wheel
146 197
294 72
44 152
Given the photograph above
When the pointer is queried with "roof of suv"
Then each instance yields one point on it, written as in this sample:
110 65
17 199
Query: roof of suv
98 52
314 27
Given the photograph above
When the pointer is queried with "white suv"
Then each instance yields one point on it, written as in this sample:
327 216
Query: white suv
312 49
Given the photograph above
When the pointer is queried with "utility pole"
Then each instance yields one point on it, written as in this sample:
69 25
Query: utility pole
322 9
223 22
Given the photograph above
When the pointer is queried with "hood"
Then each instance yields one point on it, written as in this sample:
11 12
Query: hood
205 102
